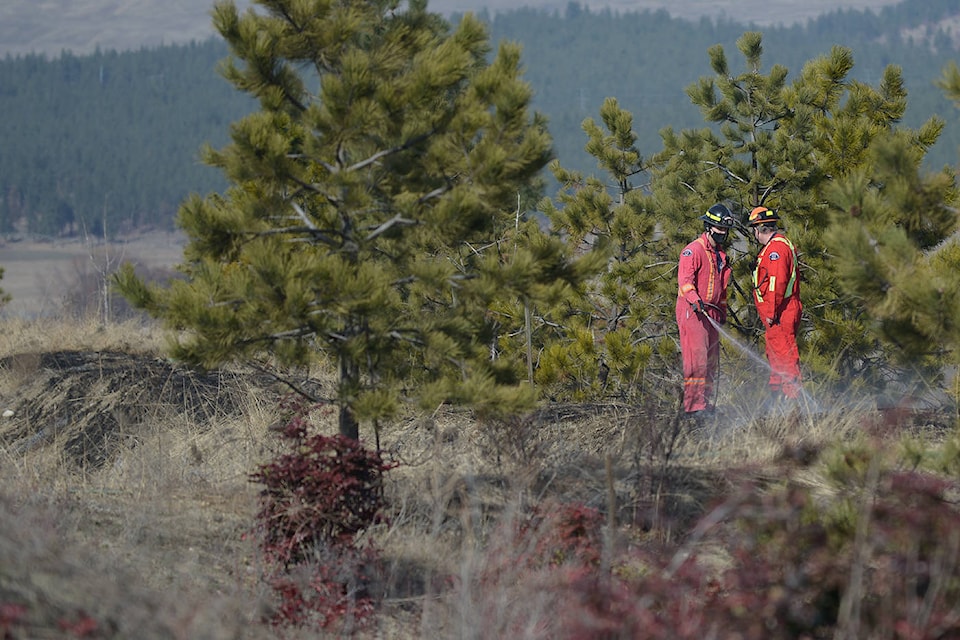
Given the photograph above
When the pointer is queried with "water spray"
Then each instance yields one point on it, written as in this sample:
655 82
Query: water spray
744 349
805 399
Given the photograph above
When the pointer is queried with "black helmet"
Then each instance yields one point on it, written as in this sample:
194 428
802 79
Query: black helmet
718 216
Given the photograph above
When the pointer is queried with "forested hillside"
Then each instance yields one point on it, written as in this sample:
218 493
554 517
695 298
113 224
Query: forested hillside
110 141
647 60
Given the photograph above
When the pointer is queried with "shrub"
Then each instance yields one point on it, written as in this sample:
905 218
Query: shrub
876 558
316 500
563 533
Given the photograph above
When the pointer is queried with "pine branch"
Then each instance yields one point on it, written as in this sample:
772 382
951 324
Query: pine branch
727 171
397 219
311 231
383 153
289 383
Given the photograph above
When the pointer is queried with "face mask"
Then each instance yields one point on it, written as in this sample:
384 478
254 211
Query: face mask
720 238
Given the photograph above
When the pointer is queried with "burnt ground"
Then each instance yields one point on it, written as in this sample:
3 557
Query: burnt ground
92 402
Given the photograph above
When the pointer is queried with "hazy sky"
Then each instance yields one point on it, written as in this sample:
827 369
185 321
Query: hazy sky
79 26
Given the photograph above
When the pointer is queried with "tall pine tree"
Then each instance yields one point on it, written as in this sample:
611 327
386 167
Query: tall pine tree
893 234
890 238
371 197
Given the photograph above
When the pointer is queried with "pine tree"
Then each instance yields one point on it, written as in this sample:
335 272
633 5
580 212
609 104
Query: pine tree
371 197
889 238
612 336
781 145
894 236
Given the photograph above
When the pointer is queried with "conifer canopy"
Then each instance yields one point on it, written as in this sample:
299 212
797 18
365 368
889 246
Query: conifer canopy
373 219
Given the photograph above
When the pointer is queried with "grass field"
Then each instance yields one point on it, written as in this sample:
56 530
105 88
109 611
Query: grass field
39 274
126 507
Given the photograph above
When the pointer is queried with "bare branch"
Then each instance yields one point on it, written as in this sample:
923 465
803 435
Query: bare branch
397 219
300 391
386 152
436 193
729 173
303 215
315 233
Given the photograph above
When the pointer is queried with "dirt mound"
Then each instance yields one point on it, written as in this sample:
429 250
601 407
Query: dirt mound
91 403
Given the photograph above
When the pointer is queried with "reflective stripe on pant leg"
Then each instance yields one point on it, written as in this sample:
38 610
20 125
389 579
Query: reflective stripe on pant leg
791 375
770 349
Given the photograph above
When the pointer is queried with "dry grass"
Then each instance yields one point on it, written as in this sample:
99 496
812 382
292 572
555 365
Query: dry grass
148 537
150 542
20 335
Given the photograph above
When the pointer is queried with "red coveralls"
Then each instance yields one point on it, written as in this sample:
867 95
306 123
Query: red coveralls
777 296
703 275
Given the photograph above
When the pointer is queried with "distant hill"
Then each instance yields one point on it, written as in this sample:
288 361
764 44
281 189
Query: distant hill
109 141
80 26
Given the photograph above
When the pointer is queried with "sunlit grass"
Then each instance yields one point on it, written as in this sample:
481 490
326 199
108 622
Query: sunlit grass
172 510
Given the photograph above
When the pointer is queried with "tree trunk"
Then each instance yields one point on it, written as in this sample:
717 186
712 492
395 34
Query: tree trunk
349 428
349 383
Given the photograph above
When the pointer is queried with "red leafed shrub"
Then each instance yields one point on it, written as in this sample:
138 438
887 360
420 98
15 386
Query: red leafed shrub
80 625
332 589
877 560
531 561
11 614
554 534
797 567
890 569
83 626
641 599
316 500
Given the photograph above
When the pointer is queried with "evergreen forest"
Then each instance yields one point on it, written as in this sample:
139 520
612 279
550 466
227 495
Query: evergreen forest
111 142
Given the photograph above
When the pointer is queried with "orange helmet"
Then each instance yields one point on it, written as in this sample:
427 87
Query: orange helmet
761 215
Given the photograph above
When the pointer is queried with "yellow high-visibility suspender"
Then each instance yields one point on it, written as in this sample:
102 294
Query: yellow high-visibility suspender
773 279
711 278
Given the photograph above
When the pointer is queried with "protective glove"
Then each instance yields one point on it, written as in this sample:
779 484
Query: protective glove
699 308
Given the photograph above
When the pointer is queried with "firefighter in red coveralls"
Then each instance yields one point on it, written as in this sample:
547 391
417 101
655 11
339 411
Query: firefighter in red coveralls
703 276
776 293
